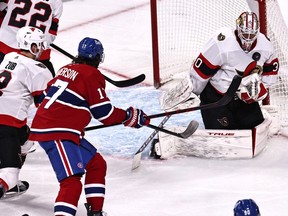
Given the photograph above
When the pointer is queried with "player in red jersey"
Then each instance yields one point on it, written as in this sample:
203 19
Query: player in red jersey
72 97
22 81
44 15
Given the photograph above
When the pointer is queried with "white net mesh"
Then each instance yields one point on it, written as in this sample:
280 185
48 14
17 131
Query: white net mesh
184 26
278 34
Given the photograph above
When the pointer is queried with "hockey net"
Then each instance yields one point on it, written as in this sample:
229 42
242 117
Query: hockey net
180 28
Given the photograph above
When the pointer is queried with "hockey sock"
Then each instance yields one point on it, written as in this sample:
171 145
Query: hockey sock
95 182
68 196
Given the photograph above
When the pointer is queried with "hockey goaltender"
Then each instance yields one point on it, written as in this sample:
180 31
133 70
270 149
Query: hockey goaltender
241 128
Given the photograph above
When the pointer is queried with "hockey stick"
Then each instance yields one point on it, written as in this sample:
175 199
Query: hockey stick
121 83
192 127
137 156
228 96
185 134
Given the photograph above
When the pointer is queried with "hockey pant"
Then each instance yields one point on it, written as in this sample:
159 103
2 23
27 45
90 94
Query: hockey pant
70 161
236 115
11 139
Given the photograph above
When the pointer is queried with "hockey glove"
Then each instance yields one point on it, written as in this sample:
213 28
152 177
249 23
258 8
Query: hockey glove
252 89
135 118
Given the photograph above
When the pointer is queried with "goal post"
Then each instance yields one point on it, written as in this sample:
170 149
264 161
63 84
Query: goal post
180 29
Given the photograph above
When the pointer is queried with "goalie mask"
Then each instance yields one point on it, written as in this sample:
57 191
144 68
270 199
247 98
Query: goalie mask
247 26
246 207
27 36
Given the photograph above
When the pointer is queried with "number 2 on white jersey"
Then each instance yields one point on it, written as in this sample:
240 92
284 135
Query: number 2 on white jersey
21 15
61 85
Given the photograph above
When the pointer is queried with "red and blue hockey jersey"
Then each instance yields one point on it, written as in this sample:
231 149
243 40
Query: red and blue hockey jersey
72 98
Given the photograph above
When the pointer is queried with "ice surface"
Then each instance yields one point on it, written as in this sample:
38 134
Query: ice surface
182 186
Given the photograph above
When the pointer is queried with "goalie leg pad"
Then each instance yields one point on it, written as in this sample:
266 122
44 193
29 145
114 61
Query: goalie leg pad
272 112
217 143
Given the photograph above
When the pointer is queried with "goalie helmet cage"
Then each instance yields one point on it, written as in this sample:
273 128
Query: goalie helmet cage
180 28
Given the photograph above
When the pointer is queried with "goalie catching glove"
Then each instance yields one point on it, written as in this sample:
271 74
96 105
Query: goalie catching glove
135 118
252 89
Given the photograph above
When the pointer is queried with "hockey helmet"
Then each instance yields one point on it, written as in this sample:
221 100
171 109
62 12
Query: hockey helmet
91 48
246 207
247 26
27 35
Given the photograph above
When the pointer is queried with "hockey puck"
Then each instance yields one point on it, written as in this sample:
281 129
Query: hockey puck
25 215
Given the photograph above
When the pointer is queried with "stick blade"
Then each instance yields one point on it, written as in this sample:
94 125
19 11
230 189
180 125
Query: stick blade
136 160
126 83
192 127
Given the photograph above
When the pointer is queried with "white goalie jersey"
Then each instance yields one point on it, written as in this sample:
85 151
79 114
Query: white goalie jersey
22 80
223 54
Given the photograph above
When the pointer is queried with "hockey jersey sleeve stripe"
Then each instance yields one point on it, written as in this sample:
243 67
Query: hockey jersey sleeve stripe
73 106
204 68
271 68
100 104
102 112
54 26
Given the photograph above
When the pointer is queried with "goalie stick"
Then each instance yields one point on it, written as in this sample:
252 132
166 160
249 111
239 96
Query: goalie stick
121 83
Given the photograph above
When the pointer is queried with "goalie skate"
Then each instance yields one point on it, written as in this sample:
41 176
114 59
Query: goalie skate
153 153
19 189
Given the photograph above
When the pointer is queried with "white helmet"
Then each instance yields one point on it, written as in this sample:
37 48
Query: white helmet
26 36
247 26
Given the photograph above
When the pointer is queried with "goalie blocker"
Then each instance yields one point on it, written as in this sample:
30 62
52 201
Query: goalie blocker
215 143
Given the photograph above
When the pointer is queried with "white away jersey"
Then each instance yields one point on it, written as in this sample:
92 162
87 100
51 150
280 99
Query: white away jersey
21 80
223 54
44 15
